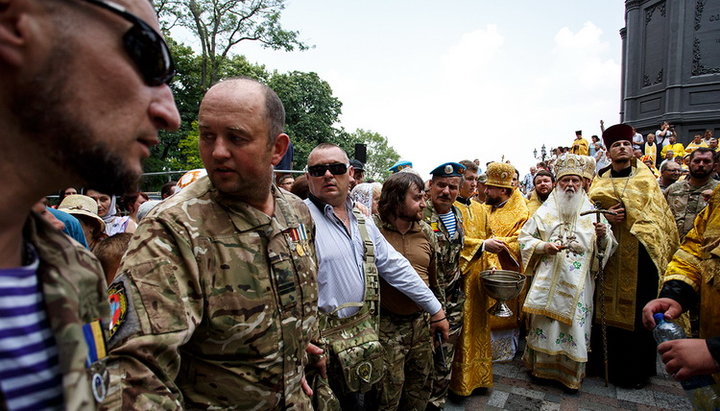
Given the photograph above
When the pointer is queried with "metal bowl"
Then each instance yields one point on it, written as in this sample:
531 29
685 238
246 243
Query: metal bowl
501 285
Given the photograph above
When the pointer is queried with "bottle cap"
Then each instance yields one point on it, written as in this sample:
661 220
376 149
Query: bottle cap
659 317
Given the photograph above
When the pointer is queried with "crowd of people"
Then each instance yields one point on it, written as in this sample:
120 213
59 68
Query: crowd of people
235 292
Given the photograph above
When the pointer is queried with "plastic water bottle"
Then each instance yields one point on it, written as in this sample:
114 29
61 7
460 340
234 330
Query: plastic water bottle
700 389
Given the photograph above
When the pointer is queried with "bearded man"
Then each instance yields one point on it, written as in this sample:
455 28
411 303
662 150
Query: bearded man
544 182
647 240
685 197
404 330
559 249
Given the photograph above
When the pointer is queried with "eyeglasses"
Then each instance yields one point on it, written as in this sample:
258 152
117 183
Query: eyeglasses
319 170
144 45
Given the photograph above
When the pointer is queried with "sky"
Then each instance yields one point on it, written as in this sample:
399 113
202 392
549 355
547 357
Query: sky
462 79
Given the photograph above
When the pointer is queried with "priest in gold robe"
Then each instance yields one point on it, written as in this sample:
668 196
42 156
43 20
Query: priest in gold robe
647 240
544 182
507 213
580 146
693 276
472 365
559 252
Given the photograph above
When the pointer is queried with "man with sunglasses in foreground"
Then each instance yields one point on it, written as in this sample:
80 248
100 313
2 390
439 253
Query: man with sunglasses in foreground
81 105
217 296
351 253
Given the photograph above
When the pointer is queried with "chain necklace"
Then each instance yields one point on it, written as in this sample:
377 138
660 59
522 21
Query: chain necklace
621 195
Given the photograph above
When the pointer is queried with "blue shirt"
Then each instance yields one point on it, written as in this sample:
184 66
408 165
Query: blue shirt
340 257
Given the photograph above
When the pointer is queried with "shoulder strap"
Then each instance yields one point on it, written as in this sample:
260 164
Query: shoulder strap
372 284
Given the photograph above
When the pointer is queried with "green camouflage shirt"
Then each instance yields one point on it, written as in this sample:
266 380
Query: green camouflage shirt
686 202
73 288
221 303
449 247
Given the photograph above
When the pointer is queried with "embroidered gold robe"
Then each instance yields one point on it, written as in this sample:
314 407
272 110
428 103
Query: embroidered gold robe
472 365
697 263
648 220
533 203
505 224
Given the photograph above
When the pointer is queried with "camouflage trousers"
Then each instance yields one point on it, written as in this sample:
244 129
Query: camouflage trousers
408 362
455 298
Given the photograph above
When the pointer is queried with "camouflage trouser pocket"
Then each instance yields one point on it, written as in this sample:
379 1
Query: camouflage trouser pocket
362 365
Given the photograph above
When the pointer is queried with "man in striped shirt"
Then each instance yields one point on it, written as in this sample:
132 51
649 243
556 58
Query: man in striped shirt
80 104
446 222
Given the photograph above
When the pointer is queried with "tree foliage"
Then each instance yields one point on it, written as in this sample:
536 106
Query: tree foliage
380 154
311 113
220 25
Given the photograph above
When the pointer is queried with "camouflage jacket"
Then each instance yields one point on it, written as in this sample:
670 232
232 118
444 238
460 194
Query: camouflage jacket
214 305
686 202
73 288
448 247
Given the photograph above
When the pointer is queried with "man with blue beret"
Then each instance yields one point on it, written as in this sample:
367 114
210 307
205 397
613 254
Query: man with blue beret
446 222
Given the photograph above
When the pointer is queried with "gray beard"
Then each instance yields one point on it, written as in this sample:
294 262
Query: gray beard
569 204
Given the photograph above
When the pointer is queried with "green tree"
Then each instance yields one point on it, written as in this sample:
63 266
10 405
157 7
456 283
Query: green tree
220 25
311 113
380 154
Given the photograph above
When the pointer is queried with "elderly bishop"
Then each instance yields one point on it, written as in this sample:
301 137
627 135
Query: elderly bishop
559 248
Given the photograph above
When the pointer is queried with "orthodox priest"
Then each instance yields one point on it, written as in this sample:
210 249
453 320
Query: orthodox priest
472 364
559 251
647 239
507 213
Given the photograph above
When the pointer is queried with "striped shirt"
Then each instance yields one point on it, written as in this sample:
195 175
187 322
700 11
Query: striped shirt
29 372
450 222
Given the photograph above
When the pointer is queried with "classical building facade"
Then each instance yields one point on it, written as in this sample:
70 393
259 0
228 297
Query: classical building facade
671 66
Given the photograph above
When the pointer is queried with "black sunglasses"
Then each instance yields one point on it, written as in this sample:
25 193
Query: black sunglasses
144 45
319 170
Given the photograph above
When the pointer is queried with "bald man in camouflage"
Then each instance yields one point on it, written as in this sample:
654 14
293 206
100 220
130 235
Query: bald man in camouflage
216 300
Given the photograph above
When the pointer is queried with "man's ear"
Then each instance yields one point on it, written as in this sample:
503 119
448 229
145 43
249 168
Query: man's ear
282 141
14 20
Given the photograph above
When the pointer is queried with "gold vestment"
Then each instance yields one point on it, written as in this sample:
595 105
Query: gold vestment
648 220
505 224
472 365
697 263
533 203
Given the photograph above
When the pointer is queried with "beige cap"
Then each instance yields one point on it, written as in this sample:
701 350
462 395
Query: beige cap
78 204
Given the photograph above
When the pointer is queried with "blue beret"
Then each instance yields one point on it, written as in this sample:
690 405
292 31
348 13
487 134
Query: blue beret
449 170
400 165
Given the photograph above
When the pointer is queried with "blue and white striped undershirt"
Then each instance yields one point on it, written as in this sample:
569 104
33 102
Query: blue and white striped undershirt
29 368
449 221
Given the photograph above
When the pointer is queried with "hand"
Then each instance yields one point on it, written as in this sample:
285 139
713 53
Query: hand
600 230
686 358
706 195
362 208
620 217
306 387
668 306
602 123
552 248
443 326
495 246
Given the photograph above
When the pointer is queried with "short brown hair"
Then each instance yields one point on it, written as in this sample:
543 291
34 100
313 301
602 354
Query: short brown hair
110 251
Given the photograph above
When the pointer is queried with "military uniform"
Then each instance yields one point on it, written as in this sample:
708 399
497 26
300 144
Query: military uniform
453 297
686 201
215 305
73 289
404 327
